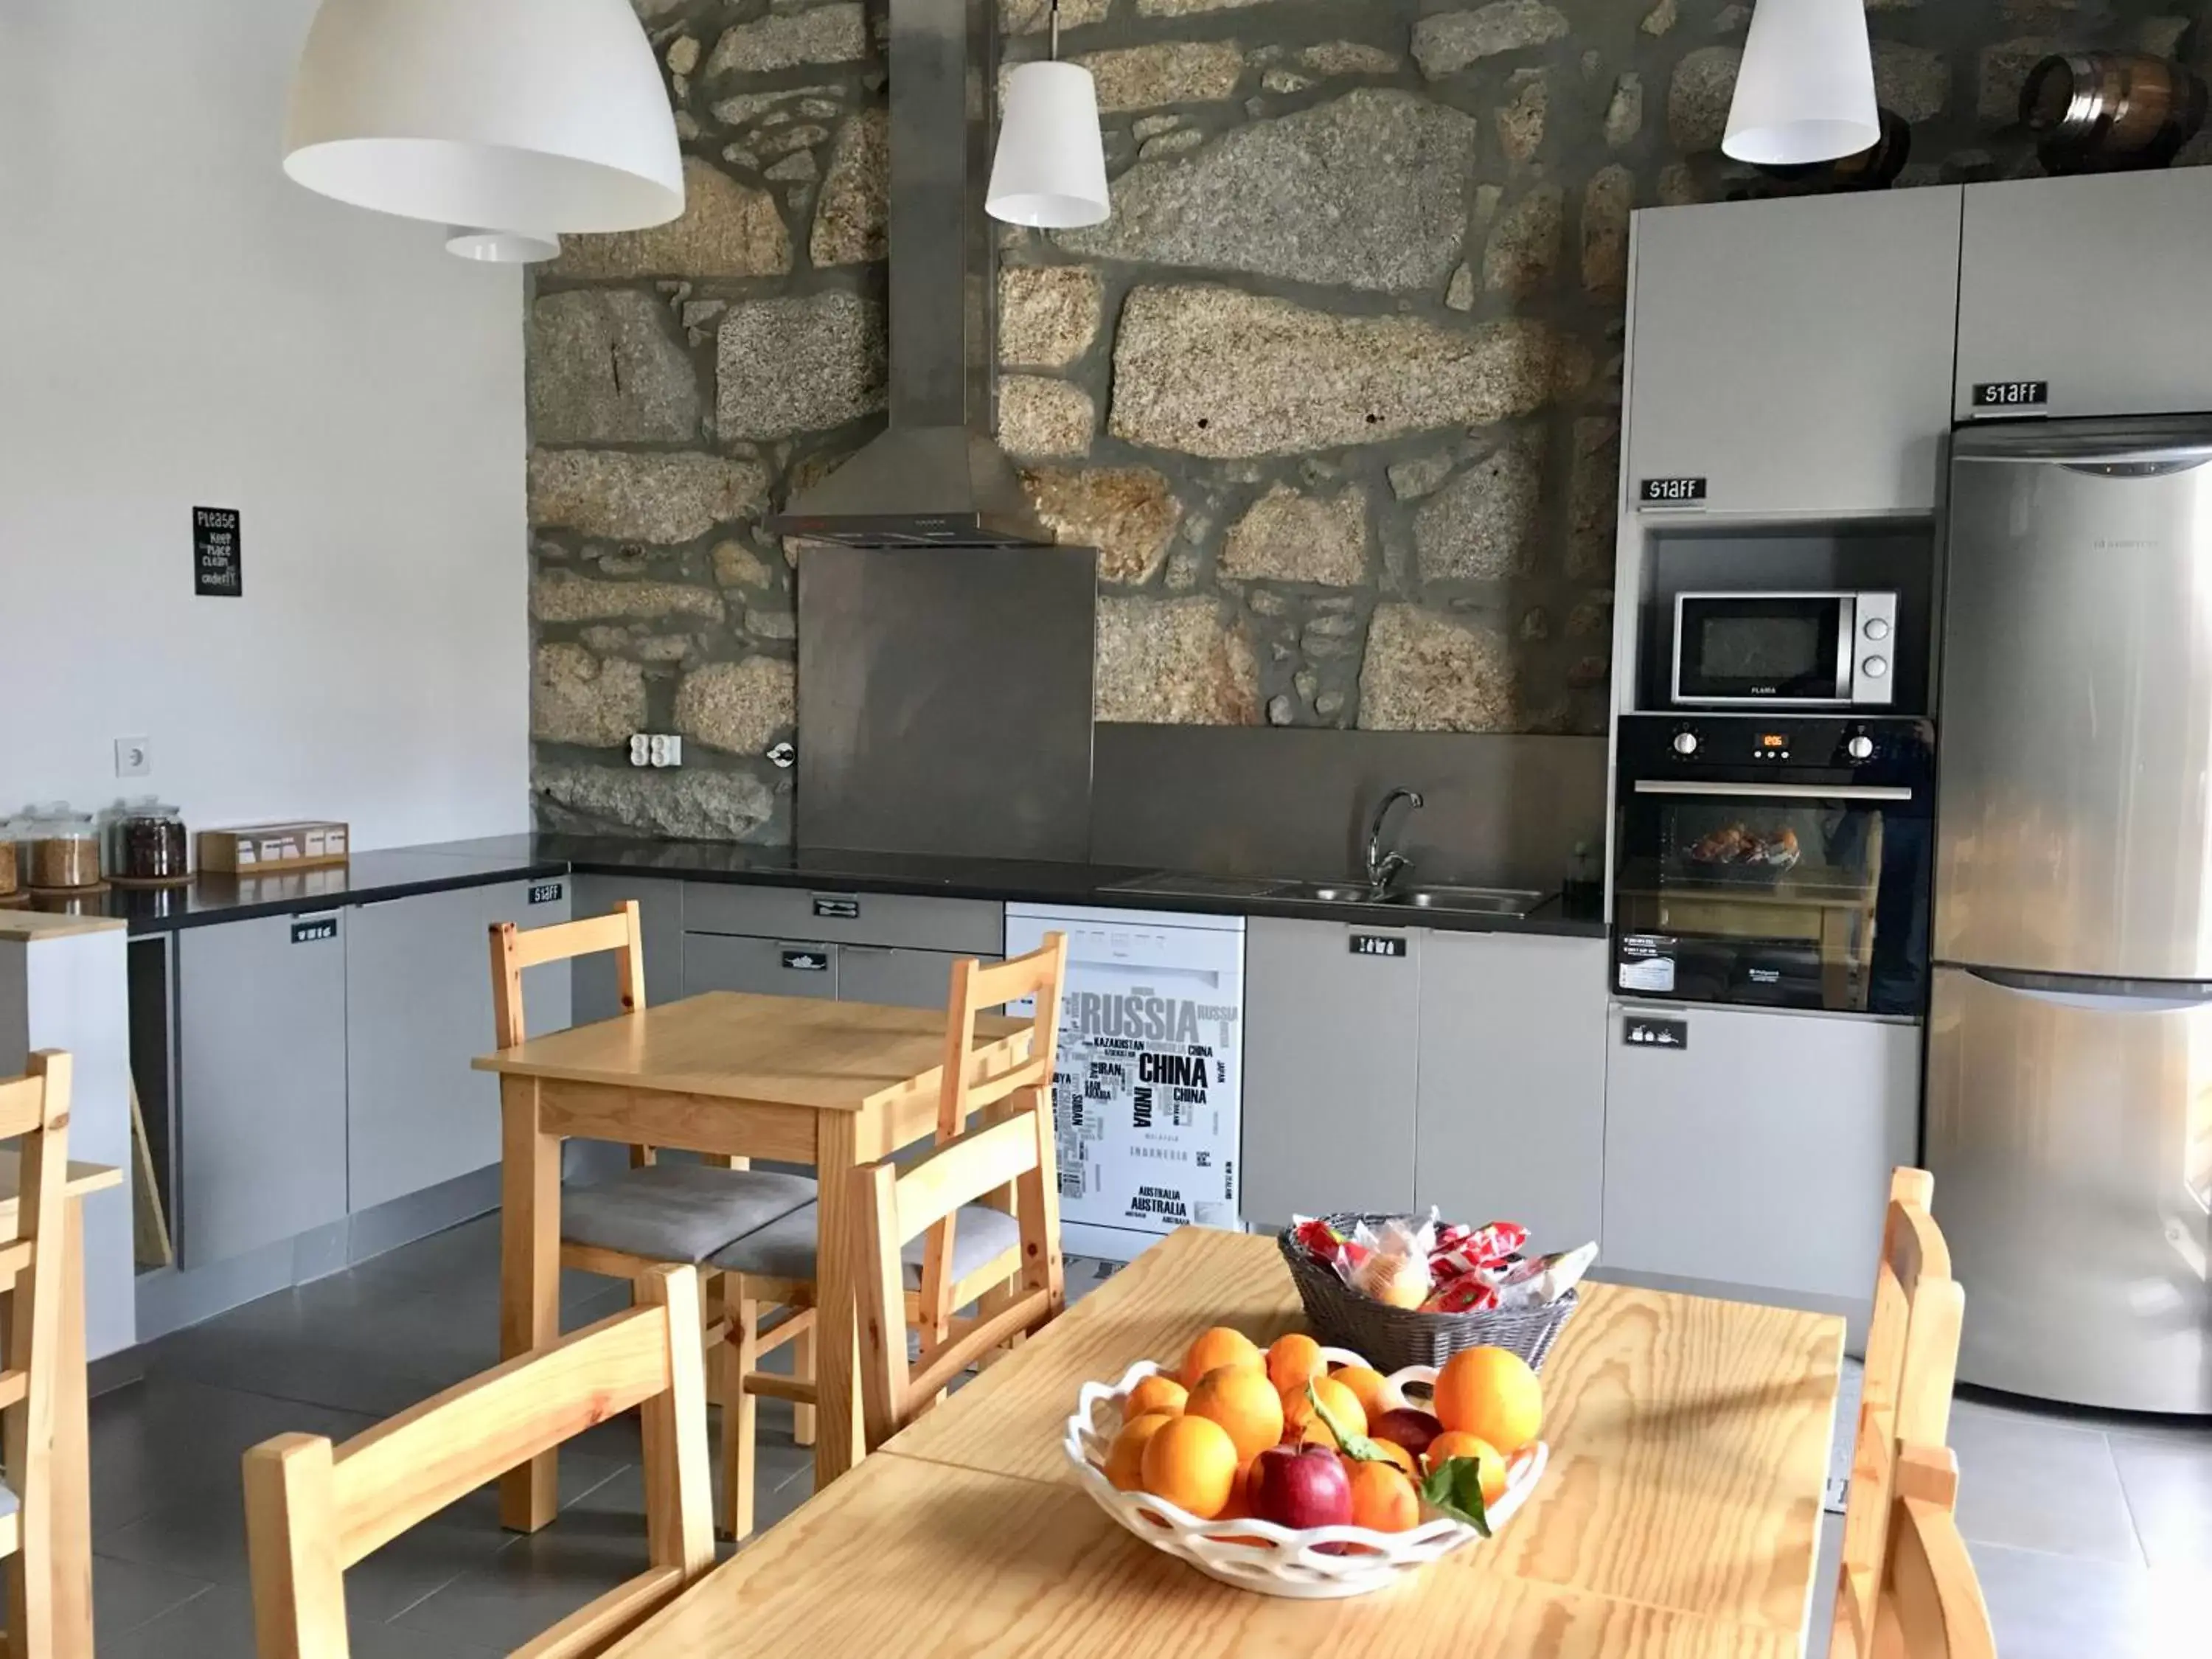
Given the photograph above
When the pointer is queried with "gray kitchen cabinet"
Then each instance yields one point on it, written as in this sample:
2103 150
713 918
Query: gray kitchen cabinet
1331 1067
2094 285
261 1084
1510 1123
771 967
418 1009
1756 1150
839 916
1795 353
661 920
900 978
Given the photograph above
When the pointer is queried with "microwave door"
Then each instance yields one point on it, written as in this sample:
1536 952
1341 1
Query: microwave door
1767 650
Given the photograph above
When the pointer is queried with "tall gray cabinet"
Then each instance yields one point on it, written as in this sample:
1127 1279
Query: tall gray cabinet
1794 354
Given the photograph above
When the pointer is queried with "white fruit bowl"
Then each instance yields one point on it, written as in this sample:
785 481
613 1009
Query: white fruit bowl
1259 1555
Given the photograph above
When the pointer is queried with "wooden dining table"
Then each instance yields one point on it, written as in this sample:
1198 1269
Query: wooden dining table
834 1085
71 1465
1679 1517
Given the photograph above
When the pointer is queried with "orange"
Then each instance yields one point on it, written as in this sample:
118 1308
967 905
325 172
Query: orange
1191 1463
1157 1393
1300 1418
1369 1386
1490 1467
1125 1458
1392 1451
1219 1346
1239 1398
1293 1360
1382 1498
1239 1506
1491 1392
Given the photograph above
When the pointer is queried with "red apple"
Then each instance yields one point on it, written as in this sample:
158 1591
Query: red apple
1407 1426
1301 1486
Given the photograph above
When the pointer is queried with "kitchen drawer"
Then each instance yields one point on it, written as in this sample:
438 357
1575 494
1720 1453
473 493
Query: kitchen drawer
896 978
770 967
965 926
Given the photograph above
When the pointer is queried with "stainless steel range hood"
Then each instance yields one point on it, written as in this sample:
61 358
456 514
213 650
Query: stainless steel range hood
935 478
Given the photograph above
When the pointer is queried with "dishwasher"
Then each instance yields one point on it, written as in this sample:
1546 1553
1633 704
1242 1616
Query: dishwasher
1147 1092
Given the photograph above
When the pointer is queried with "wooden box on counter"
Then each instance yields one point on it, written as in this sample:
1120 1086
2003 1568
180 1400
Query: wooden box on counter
253 848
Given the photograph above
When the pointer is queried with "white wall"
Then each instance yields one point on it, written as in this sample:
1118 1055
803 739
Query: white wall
181 325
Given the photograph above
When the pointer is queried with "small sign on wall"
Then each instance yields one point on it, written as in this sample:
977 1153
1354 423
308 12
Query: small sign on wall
216 571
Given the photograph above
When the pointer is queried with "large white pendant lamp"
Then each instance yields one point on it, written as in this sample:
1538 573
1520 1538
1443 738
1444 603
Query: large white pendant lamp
1805 92
546 112
1049 170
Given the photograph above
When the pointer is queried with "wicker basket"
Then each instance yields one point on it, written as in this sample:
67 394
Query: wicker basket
1393 1338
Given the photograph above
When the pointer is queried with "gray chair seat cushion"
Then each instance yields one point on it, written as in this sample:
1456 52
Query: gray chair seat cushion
679 1211
9 1501
785 1247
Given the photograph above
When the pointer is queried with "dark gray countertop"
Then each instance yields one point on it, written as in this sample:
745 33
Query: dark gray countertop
401 871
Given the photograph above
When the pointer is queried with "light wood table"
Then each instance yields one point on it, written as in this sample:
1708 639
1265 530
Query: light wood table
831 1084
72 1467
1679 1515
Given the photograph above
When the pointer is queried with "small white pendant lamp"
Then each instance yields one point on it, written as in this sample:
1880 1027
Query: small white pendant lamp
546 112
501 247
1049 169
1805 92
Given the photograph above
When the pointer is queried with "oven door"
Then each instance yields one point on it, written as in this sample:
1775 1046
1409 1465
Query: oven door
1763 893
1790 650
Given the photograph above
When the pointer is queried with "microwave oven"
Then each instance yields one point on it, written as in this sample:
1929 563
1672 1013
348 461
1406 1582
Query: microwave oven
1790 650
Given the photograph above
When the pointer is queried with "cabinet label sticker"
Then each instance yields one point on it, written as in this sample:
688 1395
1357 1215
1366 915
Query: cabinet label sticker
837 909
1637 1031
217 571
1670 492
308 932
546 892
1377 944
807 962
2020 396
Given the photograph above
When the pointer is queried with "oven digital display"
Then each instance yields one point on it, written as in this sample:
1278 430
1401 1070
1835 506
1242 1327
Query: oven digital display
1763 646
1772 740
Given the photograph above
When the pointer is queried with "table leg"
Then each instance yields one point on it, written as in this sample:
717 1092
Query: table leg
528 1277
71 1467
837 1426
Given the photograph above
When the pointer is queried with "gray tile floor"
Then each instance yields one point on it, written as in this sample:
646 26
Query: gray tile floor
2093 1535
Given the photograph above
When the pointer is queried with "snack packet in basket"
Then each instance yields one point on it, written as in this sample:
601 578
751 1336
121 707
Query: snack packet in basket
1396 1270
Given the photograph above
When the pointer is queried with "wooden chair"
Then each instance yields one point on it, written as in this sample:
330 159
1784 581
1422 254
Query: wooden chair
965 1258
35 1110
1911 1366
898 1206
312 1510
1931 1603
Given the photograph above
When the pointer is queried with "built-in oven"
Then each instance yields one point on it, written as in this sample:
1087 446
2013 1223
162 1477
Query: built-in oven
1785 650
1780 862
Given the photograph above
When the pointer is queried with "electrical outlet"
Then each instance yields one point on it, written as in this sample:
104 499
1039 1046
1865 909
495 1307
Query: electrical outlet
668 752
134 757
640 749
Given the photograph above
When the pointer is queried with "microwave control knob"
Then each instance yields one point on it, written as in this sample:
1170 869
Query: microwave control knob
1686 742
1875 667
1860 747
1875 629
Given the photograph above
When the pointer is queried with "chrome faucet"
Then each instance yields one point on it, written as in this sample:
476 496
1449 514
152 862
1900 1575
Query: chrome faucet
1382 868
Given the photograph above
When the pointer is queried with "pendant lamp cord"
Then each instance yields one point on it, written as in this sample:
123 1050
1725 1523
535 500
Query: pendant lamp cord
1056 31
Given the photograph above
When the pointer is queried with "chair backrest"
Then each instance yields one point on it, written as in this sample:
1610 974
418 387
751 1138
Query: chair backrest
514 949
1931 1604
312 1510
896 1206
967 1085
34 1110
1911 1366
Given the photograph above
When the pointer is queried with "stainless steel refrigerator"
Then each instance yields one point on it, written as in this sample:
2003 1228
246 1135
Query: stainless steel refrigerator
2069 1072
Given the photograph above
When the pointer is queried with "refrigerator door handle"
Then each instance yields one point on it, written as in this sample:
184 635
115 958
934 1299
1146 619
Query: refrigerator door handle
1775 791
2101 996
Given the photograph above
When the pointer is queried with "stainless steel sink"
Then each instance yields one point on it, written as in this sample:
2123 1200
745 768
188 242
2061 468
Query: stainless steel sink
1333 892
1482 901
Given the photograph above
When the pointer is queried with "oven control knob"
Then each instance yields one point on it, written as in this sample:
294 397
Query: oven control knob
1686 742
1859 748
1875 629
1875 667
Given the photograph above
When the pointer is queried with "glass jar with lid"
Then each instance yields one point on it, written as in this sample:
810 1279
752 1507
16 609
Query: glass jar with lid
147 844
64 849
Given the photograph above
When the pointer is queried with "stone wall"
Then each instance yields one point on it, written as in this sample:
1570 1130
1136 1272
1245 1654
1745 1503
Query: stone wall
1335 392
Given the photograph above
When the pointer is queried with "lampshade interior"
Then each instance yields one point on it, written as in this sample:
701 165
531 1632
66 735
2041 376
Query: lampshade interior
1794 144
1047 211
455 183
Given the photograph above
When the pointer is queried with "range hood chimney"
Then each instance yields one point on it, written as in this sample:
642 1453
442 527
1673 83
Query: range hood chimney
935 478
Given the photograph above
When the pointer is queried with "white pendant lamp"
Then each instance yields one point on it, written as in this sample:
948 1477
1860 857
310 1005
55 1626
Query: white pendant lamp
1805 92
501 247
1049 170
546 112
